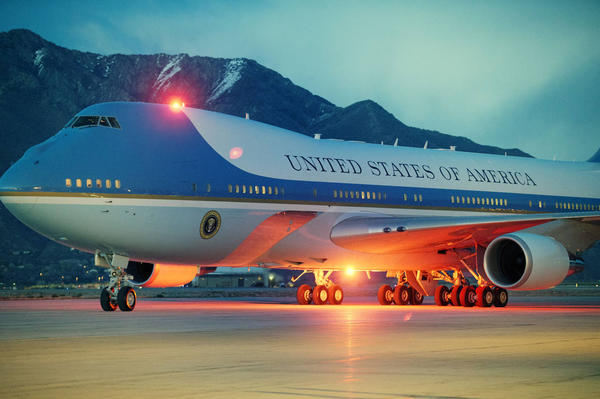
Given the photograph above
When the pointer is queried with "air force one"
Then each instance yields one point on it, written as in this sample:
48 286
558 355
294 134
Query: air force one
161 193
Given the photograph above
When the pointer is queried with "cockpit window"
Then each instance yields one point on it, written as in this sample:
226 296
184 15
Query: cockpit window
86 121
70 122
114 123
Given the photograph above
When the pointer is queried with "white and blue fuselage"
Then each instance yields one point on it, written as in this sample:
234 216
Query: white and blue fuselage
144 190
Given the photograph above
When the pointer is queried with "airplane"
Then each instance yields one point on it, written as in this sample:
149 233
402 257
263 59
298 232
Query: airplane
160 193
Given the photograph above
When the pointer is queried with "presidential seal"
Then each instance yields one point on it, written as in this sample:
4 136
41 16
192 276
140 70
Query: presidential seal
211 222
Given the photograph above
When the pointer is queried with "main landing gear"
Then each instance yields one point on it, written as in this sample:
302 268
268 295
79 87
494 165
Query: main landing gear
324 291
402 294
464 294
118 293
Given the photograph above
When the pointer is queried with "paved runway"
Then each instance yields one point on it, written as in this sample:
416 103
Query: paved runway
536 347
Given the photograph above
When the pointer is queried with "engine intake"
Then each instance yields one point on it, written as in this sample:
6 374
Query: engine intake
160 275
525 261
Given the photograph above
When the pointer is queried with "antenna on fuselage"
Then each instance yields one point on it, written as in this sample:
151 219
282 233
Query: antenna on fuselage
396 142
247 115
426 142
317 136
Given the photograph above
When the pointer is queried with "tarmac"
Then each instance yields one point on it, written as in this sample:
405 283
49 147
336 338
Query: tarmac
538 347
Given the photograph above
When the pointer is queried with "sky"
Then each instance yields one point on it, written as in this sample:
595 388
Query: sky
522 74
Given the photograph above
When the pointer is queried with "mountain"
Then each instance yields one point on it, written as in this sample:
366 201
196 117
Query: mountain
42 85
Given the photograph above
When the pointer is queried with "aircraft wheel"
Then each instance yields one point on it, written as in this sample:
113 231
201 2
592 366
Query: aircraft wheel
455 295
442 295
304 294
126 298
468 297
320 295
385 295
416 297
336 295
402 294
485 296
500 297
105 302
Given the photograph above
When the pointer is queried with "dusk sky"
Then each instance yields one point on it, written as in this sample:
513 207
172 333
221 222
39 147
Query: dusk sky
520 74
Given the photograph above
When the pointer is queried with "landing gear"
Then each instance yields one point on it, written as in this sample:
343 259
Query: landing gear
118 293
442 295
304 294
336 294
126 299
468 296
385 295
500 297
402 294
106 302
325 290
455 295
485 296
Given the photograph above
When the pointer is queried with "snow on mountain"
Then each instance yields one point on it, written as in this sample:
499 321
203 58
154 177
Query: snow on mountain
170 70
232 75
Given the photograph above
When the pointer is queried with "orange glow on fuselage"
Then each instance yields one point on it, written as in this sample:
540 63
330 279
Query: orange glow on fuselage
349 271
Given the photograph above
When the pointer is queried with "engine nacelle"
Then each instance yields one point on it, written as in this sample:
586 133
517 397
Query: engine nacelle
525 261
160 275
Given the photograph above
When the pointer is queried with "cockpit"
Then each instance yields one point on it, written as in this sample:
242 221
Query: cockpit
89 121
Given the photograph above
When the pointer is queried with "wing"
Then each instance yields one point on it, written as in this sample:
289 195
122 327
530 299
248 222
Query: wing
390 235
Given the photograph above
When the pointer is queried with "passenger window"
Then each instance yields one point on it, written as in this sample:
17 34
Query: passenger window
270 190
405 197
282 191
88 183
368 195
420 198
68 182
207 187
415 197
351 194
276 191
256 190
98 183
264 191
237 189
315 193
107 183
250 190
468 200
334 193
384 196
84 121
345 194
117 183
78 183
379 196
104 122
244 189
113 122
229 188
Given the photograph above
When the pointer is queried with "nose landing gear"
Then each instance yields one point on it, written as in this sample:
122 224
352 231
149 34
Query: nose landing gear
118 294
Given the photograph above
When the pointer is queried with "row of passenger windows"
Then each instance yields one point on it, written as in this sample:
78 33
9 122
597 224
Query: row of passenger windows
576 206
89 183
478 201
359 194
264 190
85 121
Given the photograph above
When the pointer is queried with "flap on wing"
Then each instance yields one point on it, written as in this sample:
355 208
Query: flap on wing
389 235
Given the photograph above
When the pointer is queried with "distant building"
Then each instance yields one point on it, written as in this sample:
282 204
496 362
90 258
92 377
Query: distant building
232 277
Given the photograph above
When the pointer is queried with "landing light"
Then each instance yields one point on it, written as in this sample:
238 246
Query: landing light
349 271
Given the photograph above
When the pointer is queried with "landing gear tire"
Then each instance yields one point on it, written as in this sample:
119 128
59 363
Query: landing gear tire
485 296
402 295
304 294
320 295
468 297
416 297
500 297
105 301
455 295
126 298
336 295
442 295
385 295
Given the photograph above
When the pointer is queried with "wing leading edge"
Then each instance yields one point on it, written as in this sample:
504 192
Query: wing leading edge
391 235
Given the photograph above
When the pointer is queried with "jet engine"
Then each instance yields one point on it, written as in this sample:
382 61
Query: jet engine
525 261
160 275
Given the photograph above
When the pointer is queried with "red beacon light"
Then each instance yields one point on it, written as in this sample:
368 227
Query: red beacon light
176 105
